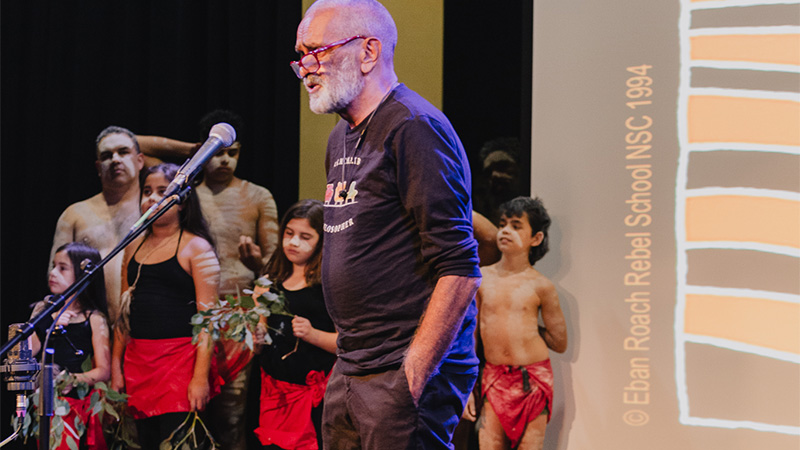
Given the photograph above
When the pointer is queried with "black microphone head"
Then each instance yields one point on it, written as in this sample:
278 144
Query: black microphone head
224 132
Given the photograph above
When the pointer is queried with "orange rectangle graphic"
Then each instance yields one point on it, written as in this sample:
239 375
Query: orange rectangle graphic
755 321
738 218
748 120
755 48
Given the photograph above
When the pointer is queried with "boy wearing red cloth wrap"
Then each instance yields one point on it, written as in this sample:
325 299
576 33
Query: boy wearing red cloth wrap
517 382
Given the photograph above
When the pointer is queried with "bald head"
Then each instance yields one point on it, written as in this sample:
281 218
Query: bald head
356 17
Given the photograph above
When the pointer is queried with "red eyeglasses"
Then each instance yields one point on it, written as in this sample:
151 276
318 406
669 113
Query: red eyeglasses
310 61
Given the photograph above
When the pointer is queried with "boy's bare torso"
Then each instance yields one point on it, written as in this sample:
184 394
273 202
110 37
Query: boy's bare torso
509 305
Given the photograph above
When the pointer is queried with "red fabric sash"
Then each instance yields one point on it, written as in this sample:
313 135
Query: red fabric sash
232 357
285 418
157 375
503 387
94 429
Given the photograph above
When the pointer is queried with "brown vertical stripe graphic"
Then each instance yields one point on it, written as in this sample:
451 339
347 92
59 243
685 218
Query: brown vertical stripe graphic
744 269
717 392
732 169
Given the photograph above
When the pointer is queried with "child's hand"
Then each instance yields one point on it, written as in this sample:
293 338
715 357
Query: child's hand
65 317
302 327
117 381
250 254
469 411
199 393
261 333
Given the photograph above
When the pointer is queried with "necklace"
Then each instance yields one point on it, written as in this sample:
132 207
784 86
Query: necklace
343 192
123 321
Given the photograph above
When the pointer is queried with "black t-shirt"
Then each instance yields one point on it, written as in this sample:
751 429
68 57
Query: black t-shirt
309 303
398 216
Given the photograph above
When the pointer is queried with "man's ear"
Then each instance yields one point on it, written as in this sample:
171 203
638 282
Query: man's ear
97 165
140 160
370 54
537 239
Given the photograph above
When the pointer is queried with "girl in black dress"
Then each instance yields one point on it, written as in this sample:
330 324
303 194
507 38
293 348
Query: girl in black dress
296 365
81 332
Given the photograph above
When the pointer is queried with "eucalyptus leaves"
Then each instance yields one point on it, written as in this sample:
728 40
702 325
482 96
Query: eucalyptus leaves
237 318
69 428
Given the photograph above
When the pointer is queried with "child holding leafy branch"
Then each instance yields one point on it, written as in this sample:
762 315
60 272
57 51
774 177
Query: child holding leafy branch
296 366
173 273
80 339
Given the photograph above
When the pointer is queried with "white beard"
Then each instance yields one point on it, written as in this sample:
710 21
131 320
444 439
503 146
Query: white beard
340 86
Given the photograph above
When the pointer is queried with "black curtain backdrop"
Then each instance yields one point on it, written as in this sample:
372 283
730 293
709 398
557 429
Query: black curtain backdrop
70 68
488 54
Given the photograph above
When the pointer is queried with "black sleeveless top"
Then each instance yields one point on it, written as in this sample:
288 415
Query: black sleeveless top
163 301
309 303
79 334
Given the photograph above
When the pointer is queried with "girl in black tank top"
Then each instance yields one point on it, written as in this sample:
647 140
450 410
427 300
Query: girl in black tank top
79 337
81 331
165 298
167 278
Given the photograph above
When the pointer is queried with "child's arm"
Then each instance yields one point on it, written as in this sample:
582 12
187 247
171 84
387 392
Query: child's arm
118 352
33 340
121 338
323 339
554 331
486 234
205 273
102 352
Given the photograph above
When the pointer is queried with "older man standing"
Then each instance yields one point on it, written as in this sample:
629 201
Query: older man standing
104 219
400 266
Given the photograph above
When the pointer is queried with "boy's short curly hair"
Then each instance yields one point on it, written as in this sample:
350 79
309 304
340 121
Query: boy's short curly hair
537 217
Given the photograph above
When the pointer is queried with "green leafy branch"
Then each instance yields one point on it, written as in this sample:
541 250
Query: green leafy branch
237 317
103 400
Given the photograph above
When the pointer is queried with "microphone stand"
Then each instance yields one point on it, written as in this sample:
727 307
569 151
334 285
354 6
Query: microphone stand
57 301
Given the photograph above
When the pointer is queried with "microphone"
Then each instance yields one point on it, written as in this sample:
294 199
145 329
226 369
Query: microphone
220 135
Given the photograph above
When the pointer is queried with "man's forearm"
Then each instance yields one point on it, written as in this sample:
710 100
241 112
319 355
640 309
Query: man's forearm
449 301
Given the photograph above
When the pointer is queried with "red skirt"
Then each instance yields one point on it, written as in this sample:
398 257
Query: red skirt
157 375
515 400
285 418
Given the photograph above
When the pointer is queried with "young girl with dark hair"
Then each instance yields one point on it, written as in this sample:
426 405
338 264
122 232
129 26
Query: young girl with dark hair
169 273
296 365
81 332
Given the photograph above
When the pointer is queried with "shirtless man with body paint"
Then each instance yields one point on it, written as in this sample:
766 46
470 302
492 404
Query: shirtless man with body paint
243 219
104 219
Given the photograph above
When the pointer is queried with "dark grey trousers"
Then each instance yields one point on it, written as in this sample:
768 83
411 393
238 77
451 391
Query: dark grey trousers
377 412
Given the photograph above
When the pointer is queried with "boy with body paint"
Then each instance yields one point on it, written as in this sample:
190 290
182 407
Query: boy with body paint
517 381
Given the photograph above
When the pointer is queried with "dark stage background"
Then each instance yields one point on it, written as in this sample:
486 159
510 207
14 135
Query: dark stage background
69 69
